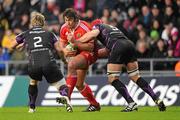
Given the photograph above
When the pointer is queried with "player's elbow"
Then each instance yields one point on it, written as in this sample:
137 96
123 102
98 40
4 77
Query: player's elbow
57 48
13 46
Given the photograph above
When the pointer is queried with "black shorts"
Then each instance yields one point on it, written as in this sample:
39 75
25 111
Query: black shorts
51 71
122 52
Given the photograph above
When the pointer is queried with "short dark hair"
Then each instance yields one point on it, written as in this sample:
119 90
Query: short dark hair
71 13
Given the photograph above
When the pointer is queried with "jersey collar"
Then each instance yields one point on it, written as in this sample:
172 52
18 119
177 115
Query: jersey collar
78 24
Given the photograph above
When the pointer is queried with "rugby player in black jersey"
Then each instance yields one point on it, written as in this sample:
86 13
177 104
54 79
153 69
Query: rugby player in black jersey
121 52
40 45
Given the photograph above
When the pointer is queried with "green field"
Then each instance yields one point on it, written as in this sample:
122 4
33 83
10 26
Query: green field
106 113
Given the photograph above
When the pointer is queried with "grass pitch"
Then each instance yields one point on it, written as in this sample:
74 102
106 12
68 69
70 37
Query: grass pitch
106 113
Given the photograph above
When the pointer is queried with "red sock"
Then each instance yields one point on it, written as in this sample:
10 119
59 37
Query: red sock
71 82
87 93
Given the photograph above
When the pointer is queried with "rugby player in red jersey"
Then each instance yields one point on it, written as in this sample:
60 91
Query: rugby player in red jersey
80 59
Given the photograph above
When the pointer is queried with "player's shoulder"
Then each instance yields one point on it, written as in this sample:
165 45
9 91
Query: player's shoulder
97 26
86 26
23 33
64 28
85 23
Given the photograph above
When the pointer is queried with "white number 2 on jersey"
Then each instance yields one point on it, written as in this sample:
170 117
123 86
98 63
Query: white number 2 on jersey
38 42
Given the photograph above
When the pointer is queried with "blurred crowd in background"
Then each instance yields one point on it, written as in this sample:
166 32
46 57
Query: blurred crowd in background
153 25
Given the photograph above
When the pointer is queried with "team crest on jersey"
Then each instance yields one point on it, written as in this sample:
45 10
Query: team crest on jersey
78 35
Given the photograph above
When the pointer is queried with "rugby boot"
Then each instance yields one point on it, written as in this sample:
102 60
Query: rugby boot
160 105
131 107
65 101
93 108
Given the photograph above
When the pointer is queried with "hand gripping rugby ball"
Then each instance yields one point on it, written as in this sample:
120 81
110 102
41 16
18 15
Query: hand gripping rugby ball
70 47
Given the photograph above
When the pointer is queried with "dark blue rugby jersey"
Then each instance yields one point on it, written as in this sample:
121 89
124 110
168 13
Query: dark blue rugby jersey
109 35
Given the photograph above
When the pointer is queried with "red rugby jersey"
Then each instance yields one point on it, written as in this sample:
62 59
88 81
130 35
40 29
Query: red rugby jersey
81 28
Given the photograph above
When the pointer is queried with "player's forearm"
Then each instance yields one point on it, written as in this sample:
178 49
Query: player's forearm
89 36
61 55
103 52
60 52
62 44
86 38
85 46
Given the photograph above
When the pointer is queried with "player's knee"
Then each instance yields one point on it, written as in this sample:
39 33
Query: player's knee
33 82
59 83
134 75
71 65
113 75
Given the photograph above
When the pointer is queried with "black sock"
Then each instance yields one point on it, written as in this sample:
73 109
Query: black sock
146 88
33 92
121 88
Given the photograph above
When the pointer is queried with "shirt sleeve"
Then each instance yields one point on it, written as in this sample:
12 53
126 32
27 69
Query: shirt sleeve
95 27
62 34
54 38
20 38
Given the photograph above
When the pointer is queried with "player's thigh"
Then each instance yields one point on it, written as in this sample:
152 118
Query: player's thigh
90 57
79 62
114 67
52 72
132 65
81 76
35 72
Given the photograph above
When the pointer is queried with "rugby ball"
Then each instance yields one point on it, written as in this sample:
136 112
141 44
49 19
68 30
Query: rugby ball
70 47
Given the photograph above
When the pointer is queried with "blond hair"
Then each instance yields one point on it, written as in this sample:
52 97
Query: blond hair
37 19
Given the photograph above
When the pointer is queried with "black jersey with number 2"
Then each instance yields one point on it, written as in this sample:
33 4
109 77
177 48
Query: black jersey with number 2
40 44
